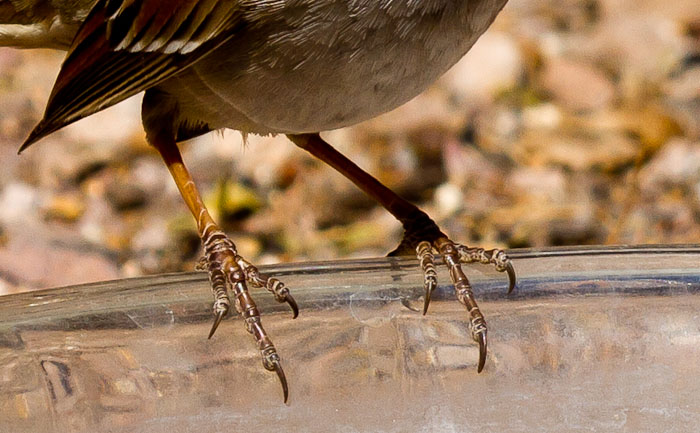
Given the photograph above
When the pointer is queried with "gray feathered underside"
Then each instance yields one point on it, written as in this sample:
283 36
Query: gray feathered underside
127 46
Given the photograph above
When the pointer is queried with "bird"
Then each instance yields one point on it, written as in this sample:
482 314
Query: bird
292 67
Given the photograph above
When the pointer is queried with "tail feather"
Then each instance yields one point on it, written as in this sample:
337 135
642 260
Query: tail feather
40 131
41 24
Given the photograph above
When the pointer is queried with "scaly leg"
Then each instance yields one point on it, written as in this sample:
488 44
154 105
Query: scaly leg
421 237
228 271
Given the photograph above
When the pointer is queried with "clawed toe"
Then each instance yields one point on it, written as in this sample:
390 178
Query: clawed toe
217 320
281 293
482 351
454 255
271 362
511 277
229 272
272 285
277 367
495 257
427 263
293 305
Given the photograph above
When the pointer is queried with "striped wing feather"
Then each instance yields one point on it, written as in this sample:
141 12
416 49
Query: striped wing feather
127 46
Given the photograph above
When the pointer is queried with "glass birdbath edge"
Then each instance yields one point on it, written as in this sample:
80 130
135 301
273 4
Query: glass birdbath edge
593 338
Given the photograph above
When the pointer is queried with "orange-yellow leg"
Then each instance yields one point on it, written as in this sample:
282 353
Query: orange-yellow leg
228 271
421 237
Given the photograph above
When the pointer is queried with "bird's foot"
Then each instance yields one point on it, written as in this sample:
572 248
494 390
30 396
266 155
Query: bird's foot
228 271
454 255
498 258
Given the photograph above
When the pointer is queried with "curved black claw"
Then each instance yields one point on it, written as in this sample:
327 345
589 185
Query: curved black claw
426 259
426 301
511 277
428 292
293 305
482 351
219 316
283 379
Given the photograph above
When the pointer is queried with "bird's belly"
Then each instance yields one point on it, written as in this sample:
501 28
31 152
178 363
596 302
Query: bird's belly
300 82
319 97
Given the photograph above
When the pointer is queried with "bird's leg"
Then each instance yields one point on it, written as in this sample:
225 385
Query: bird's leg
228 271
421 237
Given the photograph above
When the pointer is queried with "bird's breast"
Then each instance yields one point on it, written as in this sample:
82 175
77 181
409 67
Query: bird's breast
316 65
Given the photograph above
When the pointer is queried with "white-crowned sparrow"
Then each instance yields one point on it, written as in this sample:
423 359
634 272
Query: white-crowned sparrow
292 67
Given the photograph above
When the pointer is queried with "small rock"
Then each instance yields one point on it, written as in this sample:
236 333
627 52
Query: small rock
36 261
678 162
606 152
125 194
492 65
362 235
638 44
498 129
538 224
153 236
232 201
248 246
92 232
131 268
685 87
542 116
151 175
576 86
467 166
101 130
5 288
64 207
539 183
448 199
18 201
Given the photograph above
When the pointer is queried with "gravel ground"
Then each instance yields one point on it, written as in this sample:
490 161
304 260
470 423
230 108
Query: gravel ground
570 122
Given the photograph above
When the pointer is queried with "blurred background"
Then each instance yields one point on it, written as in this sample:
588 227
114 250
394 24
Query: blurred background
570 122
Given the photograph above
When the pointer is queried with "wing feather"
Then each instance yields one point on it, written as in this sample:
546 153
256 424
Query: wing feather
127 46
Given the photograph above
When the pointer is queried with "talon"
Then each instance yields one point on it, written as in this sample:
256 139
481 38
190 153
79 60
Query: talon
293 305
219 316
283 379
511 277
482 351
274 286
428 292
426 258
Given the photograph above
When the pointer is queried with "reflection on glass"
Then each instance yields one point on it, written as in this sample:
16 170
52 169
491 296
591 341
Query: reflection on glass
592 340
